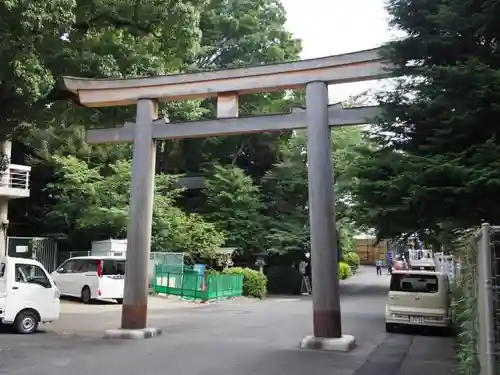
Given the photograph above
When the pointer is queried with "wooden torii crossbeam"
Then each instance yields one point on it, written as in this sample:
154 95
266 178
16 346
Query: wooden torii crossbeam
226 85
163 129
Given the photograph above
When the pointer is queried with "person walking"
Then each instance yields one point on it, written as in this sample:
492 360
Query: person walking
378 264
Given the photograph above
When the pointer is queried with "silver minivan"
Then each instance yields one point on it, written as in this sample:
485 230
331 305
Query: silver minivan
418 298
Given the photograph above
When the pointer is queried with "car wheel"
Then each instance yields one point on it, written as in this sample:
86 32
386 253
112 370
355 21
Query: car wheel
26 322
120 301
86 295
390 327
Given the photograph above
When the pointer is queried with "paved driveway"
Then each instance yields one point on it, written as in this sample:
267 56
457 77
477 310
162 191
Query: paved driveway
243 337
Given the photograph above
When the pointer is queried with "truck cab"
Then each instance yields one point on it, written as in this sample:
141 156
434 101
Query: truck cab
422 260
28 294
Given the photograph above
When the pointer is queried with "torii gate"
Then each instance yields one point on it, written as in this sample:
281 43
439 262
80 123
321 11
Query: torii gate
226 86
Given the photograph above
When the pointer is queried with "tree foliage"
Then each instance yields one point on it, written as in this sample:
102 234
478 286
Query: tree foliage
92 203
436 160
234 206
120 39
286 188
90 39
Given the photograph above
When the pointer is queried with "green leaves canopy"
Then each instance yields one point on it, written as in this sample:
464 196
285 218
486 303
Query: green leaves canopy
93 204
437 159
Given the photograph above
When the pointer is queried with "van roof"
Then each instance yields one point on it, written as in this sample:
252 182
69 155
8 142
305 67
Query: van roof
98 257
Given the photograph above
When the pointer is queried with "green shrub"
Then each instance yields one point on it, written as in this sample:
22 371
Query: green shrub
254 282
344 271
352 259
211 271
283 280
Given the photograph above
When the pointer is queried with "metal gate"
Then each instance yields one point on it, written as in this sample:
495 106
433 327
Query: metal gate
42 249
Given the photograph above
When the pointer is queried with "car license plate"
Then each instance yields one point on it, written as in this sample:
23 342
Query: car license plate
417 319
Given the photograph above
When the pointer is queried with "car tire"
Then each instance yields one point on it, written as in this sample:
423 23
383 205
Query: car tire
86 295
26 322
390 327
120 301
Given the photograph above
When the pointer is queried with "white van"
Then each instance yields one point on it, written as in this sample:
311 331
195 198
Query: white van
92 278
28 295
418 298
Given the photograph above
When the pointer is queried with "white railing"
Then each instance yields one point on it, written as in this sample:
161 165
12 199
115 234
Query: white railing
16 177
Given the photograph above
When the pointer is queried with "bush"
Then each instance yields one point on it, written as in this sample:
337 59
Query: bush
352 259
344 271
283 280
254 282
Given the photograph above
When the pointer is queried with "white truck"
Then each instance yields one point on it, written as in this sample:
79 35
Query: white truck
422 260
28 295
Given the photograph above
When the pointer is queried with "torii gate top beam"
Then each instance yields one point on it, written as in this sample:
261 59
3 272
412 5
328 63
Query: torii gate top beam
350 67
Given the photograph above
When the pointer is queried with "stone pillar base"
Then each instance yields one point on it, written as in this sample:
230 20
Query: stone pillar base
134 334
340 344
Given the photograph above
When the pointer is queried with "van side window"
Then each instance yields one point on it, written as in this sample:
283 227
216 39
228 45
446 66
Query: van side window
414 283
93 265
2 269
68 266
86 265
31 274
80 266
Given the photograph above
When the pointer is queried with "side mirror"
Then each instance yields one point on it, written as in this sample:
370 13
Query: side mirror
61 270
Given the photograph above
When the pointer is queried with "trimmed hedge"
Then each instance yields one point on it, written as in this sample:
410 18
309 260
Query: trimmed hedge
344 270
254 282
353 260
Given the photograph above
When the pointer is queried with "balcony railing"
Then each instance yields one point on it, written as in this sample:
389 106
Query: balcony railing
15 181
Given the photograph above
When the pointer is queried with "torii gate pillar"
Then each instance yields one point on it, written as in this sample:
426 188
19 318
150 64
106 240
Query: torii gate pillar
135 299
327 327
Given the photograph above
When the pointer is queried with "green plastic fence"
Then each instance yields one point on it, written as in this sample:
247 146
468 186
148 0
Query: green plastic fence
192 285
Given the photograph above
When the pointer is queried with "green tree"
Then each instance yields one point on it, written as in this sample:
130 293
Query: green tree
152 38
92 204
238 33
436 163
234 206
286 191
81 38
92 39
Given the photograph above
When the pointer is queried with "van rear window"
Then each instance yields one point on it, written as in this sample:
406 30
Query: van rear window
414 283
113 267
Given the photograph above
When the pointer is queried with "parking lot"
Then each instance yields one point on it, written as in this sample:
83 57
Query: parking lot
242 336
94 318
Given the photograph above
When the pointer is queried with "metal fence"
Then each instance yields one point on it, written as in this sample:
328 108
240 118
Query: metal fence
477 302
492 264
192 285
170 262
42 249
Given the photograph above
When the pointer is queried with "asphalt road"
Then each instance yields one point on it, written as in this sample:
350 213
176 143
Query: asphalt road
243 337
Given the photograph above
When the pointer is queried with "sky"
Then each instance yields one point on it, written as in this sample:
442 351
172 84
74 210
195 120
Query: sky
331 27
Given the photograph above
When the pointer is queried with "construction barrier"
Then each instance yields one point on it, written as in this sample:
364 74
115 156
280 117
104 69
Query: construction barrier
196 286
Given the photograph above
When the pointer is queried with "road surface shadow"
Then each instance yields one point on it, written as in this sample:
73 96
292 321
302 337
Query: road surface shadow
76 300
